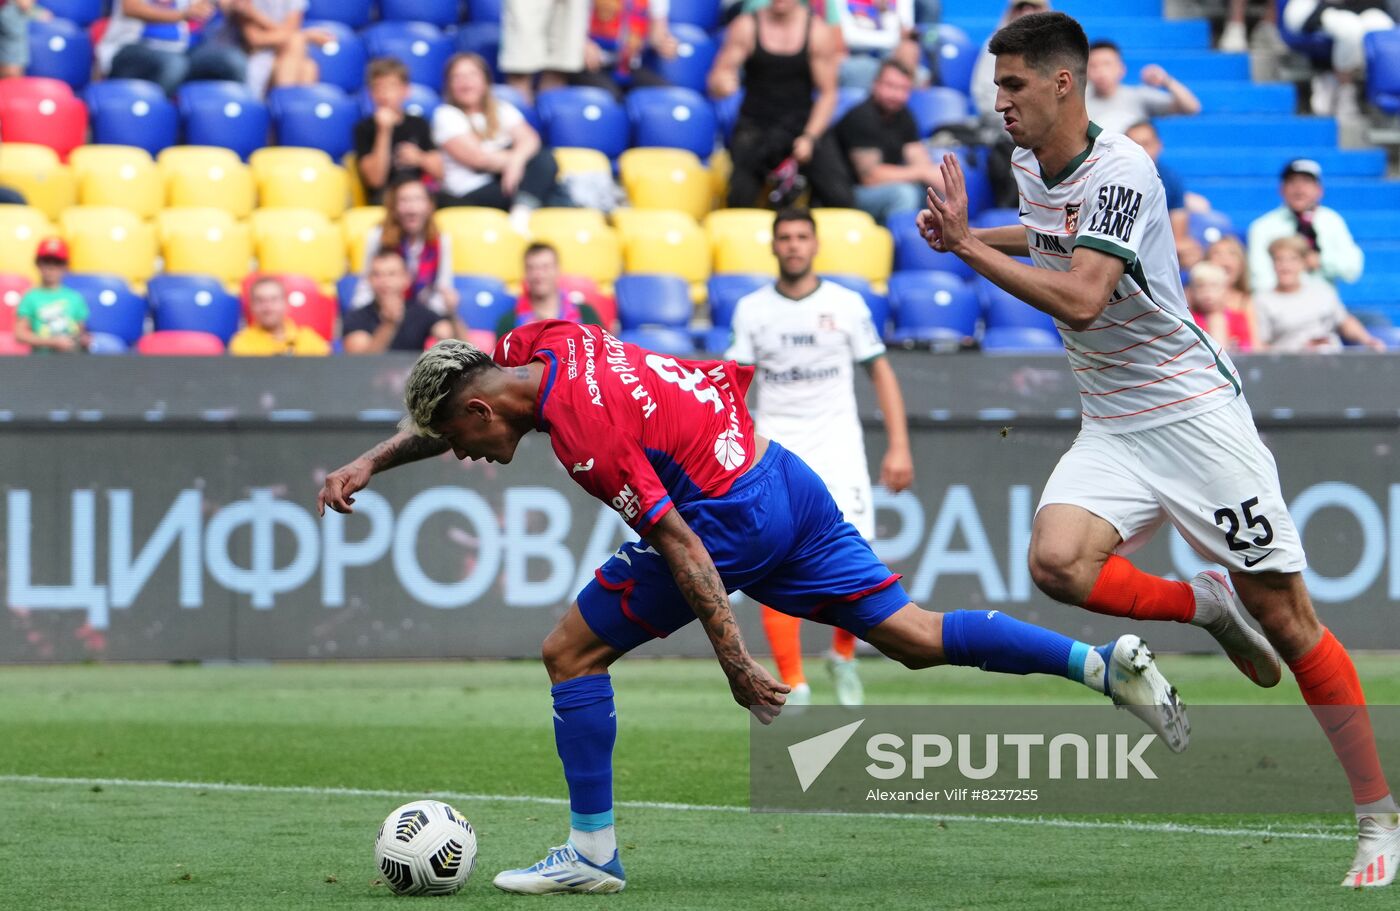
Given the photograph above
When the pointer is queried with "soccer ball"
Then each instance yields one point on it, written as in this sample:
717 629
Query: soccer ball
425 848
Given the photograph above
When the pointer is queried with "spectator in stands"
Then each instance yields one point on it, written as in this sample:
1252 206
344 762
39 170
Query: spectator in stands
14 35
272 332
1303 313
619 33
409 230
52 317
491 155
786 55
1115 106
391 322
1334 256
1206 295
150 40
876 30
1347 23
543 38
890 166
391 146
1188 251
541 297
1228 253
267 38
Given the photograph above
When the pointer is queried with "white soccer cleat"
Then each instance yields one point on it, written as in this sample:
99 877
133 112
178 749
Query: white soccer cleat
1377 852
1135 684
799 697
1219 611
563 870
849 690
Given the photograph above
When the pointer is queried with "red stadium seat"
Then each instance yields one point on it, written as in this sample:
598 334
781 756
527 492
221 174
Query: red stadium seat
43 111
8 345
306 304
585 291
12 288
180 342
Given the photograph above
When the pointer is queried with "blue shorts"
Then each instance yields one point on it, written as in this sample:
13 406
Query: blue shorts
777 536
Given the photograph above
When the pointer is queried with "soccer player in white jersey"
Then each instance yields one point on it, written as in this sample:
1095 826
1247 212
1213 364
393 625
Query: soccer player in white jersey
1167 434
804 334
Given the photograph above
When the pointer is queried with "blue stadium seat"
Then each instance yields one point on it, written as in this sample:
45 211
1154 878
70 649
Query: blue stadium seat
932 306
912 254
354 13
484 10
701 13
725 292
316 116
714 340
510 93
79 12
1208 227
878 304
1021 340
59 49
727 113
847 97
1002 310
653 300
422 47
996 218
937 106
695 54
421 101
345 291
195 303
441 13
113 308
482 301
482 38
1383 70
132 112
342 62
672 117
661 339
106 343
1251 130
976 178
957 55
583 117
223 114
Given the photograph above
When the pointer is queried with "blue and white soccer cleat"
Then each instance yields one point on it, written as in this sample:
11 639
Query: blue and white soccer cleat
1135 684
1377 852
1218 613
563 870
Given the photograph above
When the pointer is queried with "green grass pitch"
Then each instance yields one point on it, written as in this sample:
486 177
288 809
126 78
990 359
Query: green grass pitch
102 771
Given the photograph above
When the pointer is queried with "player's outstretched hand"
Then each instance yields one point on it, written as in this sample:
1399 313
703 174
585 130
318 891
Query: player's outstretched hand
950 210
756 690
341 485
930 230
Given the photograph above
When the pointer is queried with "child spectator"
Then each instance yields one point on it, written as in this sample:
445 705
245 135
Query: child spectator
1228 253
391 146
272 332
389 322
410 231
1206 296
52 317
1303 313
541 298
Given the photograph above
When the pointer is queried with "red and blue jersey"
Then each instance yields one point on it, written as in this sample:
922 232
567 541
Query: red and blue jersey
641 431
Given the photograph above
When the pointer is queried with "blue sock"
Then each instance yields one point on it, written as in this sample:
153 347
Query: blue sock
585 728
996 642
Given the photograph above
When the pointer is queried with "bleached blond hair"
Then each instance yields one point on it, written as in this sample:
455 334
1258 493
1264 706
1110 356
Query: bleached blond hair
440 371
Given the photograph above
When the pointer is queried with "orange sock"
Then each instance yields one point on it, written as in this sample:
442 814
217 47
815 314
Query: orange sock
1330 685
843 643
1123 590
785 639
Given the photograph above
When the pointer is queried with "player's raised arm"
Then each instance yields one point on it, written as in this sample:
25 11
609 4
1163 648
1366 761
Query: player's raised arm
700 583
403 447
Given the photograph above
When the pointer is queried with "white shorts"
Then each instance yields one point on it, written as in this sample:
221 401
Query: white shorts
543 35
1209 474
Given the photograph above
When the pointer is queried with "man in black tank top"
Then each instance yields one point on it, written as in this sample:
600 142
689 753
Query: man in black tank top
785 55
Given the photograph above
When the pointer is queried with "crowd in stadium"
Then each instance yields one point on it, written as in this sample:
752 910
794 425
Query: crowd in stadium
291 176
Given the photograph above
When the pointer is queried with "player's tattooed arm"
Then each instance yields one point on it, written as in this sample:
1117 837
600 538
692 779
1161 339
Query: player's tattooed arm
700 583
402 448
338 491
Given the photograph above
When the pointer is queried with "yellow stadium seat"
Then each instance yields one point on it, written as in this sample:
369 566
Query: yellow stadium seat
21 229
483 243
207 176
205 241
297 178
666 179
742 240
658 240
36 172
587 246
581 161
298 242
358 197
841 219
356 224
847 246
121 176
111 240
721 168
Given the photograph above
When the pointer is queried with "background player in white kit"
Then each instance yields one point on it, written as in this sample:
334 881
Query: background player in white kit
804 334
1166 432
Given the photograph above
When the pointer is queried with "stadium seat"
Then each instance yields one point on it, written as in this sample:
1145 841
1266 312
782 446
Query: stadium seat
725 291
695 54
996 218
932 307
121 176
742 240
79 12
441 13
582 290
482 301
421 46
11 348
356 224
1383 70
354 13
975 175
585 117
223 114
727 112
298 242
132 112
878 304
111 240
666 242
35 171
307 305
666 179
342 61
1003 310
653 300
345 291
586 245
936 107
484 10
105 343
714 340
913 254
113 308
315 116
43 111
483 39
12 288
59 49
1021 340
1208 227
700 13
193 302
178 343
289 177
207 176
672 117
518 101
421 102
483 242
21 229
957 55
205 241
848 247
581 161
661 339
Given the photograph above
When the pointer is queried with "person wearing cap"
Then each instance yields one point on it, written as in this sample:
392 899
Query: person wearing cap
52 317
271 331
1334 255
1115 106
